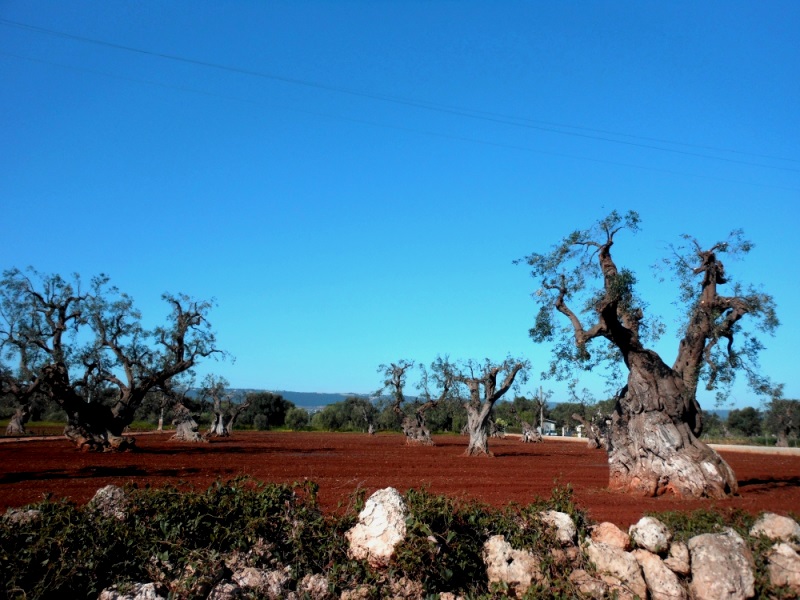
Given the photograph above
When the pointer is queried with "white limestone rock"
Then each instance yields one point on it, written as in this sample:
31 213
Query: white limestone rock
566 532
516 568
783 566
777 528
225 590
111 502
651 534
268 584
21 516
608 533
618 569
678 559
314 586
588 586
137 591
722 567
381 526
661 581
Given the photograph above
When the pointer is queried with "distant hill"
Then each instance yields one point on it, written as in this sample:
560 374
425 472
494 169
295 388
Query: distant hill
310 400
307 400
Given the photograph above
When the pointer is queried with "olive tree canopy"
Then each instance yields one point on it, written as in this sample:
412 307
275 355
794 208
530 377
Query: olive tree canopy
87 350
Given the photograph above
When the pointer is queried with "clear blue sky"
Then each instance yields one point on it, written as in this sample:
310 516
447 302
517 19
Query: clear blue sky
354 186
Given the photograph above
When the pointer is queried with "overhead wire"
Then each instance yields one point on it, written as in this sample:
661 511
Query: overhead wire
362 121
555 128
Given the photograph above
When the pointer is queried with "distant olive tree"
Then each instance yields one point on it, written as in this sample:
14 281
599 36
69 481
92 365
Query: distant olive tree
297 419
782 419
265 410
745 421
485 383
352 414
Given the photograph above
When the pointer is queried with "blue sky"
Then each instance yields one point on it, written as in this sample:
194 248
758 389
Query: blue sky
353 187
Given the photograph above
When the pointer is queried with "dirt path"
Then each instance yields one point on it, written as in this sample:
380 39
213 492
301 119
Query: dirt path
342 463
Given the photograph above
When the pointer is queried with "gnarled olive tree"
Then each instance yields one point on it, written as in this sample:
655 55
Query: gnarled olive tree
395 374
481 381
224 407
653 445
88 351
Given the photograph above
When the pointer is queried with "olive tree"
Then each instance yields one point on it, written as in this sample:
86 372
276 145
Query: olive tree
481 382
653 444
782 418
87 351
224 405
745 421
394 375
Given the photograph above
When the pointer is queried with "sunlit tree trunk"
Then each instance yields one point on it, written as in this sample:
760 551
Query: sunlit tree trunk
16 425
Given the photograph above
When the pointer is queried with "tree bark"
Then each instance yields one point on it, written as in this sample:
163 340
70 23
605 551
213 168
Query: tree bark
653 449
596 434
782 441
217 427
186 429
415 430
16 425
478 430
529 434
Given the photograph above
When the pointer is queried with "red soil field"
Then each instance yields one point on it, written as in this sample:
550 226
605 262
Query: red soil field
342 463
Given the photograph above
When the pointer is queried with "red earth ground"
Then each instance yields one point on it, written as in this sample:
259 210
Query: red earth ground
341 463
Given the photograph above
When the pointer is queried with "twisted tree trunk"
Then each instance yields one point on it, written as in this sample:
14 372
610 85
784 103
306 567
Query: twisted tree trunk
477 378
478 430
596 433
653 448
186 428
16 425
415 430
529 434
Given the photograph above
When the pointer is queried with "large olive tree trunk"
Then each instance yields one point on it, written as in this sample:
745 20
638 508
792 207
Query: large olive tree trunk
93 427
186 428
652 446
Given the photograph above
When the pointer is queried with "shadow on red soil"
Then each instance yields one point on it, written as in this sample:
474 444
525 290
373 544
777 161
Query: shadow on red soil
343 463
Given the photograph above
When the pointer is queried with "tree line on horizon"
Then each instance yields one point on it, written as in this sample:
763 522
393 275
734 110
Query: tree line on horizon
270 411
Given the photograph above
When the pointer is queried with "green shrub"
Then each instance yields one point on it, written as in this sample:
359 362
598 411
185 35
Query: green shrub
72 552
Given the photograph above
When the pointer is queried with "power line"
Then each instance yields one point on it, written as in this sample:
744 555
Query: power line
394 127
443 108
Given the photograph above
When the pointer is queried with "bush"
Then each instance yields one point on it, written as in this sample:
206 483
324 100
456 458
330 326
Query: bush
261 422
297 419
72 552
